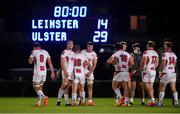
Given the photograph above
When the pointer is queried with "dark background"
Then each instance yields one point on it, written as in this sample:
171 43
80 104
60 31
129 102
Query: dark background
15 45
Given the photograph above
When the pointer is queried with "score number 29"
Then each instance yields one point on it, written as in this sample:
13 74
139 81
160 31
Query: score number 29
101 35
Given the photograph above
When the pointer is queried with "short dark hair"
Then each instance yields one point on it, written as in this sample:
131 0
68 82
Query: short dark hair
123 42
90 43
169 44
135 45
76 48
166 39
118 46
151 44
69 41
36 44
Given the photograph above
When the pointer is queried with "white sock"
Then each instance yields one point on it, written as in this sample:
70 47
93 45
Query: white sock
161 96
60 94
142 100
39 95
126 100
153 99
66 98
79 98
131 100
175 95
42 94
118 93
74 96
82 95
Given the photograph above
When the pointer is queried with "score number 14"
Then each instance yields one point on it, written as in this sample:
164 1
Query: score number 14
101 34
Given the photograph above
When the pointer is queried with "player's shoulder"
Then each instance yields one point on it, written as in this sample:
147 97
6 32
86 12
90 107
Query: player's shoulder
127 53
83 51
64 51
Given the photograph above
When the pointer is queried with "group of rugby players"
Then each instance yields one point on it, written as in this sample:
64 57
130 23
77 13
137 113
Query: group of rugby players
77 68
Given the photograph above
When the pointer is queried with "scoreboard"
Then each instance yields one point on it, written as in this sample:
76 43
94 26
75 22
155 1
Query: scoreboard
79 22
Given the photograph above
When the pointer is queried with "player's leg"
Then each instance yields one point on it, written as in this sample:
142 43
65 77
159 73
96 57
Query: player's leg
141 88
142 92
82 94
126 93
64 85
90 92
132 91
116 88
74 91
38 82
162 87
175 94
37 89
66 93
116 85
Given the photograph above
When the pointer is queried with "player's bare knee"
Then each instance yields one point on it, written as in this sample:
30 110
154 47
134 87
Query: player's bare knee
37 86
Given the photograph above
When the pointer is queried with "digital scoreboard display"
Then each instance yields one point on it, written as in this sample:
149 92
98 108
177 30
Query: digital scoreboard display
78 22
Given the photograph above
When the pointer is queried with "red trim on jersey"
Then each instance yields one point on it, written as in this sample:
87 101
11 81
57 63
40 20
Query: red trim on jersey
150 48
116 72
147 61
42 68
143 74
78 70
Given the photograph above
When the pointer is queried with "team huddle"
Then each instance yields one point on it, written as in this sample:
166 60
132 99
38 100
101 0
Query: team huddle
77 68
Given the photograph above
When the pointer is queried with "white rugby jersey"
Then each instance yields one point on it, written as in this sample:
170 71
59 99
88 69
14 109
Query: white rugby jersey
123 59
90 55
170 59
79 60
40 58
151 56
68 55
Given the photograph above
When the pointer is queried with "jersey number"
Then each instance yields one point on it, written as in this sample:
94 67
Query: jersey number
77 62
67 58
154 59
41 57
123 58
171 60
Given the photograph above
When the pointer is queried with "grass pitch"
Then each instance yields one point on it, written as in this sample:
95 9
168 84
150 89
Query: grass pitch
104 105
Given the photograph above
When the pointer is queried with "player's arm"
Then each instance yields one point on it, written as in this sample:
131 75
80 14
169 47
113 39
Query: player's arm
88 64
163 62
30 60
110 60
94 64
51 68
162 67
157 62
63 65
131 62
132 68
143 61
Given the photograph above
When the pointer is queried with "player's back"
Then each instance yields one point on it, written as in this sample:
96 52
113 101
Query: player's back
40 59
151 59
170 59
123 60
79 60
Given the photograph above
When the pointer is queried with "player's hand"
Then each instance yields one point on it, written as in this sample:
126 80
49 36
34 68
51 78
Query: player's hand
88 74
57 74
65 73
52 75
118 67
133 72
161 75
